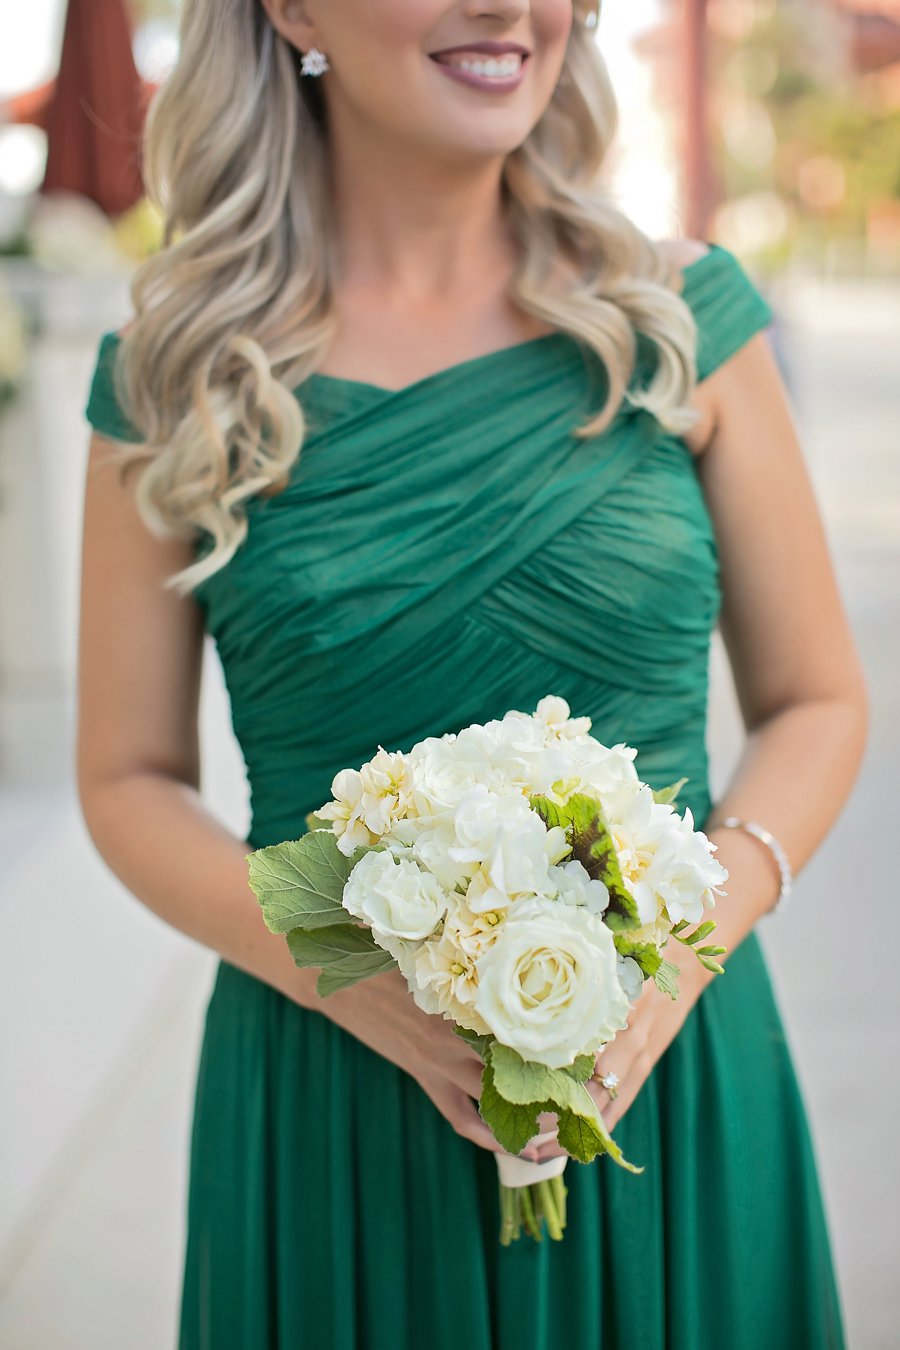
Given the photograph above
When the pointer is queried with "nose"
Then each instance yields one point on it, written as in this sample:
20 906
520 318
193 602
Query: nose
506 10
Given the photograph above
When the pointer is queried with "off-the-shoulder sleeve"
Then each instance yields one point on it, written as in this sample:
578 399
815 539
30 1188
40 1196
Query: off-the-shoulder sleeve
727 307
103 410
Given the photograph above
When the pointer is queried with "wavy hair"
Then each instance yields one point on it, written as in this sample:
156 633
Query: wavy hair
236 308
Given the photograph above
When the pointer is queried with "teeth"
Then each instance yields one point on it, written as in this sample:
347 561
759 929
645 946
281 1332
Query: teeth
499 67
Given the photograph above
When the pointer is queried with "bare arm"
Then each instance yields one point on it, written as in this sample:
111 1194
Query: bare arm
140 652
797 672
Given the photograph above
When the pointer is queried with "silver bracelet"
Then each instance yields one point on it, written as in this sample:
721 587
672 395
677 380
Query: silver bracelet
766 836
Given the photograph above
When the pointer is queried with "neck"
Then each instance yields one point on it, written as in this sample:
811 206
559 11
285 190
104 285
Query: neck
415 226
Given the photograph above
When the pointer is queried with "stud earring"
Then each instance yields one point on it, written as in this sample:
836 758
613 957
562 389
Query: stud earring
314 62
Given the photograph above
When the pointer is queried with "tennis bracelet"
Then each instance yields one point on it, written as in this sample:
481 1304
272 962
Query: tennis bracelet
778 853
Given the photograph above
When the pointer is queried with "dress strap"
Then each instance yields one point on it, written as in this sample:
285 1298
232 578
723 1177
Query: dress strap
103 410
727 307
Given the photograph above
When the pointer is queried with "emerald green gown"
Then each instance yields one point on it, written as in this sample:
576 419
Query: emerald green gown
443 553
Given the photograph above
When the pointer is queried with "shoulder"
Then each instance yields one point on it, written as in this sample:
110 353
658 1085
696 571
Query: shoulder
727 306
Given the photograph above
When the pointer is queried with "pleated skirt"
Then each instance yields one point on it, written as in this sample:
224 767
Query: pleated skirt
332 1207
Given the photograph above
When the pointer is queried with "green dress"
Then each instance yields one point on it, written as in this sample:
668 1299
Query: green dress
443 553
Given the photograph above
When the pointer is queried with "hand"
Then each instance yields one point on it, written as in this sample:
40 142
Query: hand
653 1023
380 1012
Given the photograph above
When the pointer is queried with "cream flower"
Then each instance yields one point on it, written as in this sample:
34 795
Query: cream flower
666 864
573 884
386 789
554 713
394 896
508 841
549 986
346 812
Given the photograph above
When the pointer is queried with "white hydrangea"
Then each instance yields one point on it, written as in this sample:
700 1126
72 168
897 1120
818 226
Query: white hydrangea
573 884
508 841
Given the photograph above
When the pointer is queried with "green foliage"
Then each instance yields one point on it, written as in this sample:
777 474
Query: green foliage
346 952
592 845
301 882
511 1123
582 1068
665 796
477 1041
519 1083
706 954
666 978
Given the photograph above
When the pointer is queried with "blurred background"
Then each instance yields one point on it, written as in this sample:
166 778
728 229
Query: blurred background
771 128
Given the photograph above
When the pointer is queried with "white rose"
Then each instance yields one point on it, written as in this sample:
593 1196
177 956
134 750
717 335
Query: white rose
605 772
549 986
394 896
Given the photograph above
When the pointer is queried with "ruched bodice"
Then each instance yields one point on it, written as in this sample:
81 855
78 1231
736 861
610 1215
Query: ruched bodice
440 554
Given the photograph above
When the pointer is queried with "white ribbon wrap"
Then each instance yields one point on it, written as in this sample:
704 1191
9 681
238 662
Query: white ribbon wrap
515 1171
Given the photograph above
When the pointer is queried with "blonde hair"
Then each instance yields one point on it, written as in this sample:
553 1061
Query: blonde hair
236 308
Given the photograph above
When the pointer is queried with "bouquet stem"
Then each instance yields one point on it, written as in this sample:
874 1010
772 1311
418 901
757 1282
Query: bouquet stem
526 1207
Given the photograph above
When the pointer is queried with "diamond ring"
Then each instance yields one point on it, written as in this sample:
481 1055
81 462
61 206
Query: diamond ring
611 1082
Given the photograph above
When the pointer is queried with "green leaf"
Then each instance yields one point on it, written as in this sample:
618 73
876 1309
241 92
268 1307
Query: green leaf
478 1042
584 1137
666 978
315 822
346 952
665 796
523 1080
594 848
300 883
646 954
551 813
523 1083
511 1123
582 1068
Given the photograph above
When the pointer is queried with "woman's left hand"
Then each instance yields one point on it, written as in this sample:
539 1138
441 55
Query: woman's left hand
653 1023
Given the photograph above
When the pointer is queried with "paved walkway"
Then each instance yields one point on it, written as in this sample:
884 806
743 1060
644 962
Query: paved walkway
105 1004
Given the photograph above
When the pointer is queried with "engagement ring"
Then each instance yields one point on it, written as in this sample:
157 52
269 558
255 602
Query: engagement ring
611 1082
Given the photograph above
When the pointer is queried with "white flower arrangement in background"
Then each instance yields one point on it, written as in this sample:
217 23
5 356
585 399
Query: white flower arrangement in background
525 881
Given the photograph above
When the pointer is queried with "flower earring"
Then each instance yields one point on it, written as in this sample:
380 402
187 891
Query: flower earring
314 62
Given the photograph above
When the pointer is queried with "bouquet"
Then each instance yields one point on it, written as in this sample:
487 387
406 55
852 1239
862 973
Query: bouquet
525 881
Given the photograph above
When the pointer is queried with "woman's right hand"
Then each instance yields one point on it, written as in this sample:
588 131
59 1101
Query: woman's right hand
380 1012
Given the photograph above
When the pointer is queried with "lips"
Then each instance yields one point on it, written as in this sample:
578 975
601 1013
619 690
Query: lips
483 49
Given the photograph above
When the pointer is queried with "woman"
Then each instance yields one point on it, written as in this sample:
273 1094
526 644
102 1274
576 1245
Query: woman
427 430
